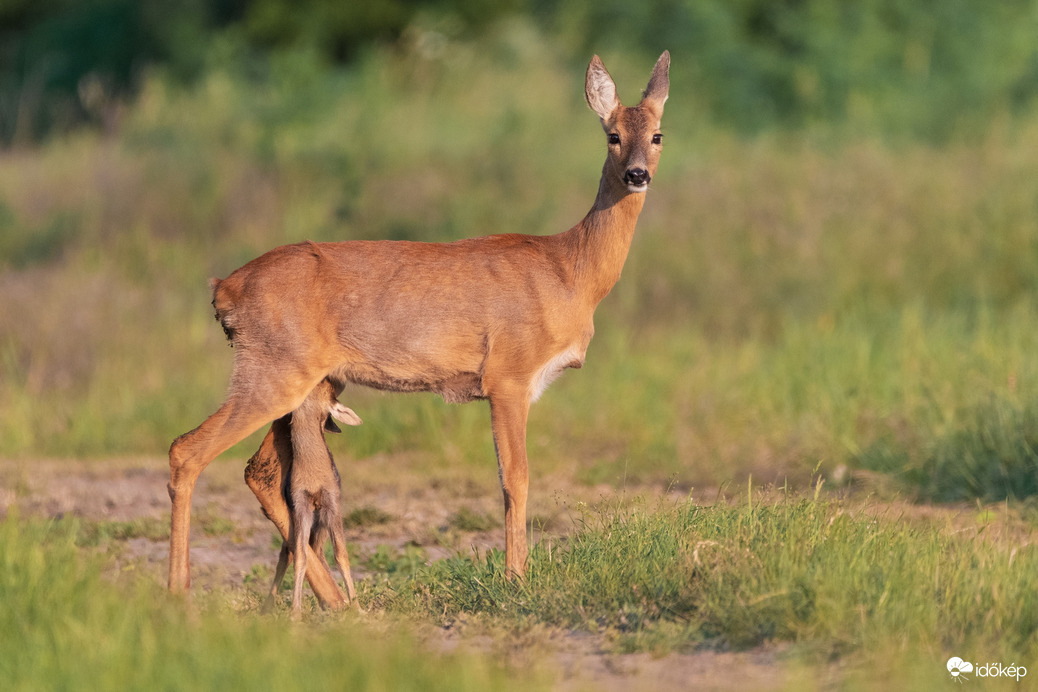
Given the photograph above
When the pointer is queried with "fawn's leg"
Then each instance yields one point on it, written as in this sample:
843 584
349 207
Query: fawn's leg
304 516
342 558
265 475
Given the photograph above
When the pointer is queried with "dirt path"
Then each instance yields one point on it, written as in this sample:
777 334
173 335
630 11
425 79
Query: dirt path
242 542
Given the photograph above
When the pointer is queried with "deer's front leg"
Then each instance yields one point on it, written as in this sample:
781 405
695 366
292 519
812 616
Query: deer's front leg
508 416
265 475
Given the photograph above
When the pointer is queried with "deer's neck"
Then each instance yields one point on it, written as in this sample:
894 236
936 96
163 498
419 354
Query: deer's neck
603 238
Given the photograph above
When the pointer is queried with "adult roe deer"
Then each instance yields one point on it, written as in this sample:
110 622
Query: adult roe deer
312 491
496 318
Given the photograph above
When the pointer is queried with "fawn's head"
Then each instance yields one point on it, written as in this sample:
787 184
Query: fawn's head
633 134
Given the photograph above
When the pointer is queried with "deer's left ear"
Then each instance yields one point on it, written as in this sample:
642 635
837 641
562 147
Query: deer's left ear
659 84
600 89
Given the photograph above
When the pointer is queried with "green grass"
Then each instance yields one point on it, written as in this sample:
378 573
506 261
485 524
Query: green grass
101 531
991 455
66 627
466 519
93 533
838 586
836 579
367 515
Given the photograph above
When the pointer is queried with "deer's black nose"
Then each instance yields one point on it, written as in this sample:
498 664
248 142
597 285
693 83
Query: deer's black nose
636 176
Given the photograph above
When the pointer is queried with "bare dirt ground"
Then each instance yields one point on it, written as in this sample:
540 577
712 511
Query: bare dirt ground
418 510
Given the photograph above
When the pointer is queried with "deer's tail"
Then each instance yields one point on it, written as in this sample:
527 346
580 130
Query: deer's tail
223 304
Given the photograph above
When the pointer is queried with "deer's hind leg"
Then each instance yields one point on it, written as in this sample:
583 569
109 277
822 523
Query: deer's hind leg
190 454
257 396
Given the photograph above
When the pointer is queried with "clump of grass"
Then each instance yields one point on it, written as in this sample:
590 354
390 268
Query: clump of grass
367 515
213 522
466 519
991 456
405 563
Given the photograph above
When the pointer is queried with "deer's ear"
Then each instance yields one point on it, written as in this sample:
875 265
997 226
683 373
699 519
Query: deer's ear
344 414
600 89
659 84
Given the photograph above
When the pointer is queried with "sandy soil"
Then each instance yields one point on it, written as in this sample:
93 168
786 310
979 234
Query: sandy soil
419 512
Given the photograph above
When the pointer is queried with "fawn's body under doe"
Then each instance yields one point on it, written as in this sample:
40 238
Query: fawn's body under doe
312 489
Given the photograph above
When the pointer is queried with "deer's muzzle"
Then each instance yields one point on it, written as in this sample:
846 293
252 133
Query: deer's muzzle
636 178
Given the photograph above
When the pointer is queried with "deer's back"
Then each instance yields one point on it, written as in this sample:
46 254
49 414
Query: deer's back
406 316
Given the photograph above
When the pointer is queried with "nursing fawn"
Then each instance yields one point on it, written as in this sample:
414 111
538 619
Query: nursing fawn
312 491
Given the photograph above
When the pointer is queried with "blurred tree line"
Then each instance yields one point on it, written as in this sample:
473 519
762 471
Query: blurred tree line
925 68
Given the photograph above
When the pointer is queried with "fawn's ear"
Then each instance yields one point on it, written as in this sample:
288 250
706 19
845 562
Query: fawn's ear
600 89
344 414
659 84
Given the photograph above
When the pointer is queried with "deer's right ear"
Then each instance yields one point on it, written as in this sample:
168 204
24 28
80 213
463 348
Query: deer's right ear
600 89
659 83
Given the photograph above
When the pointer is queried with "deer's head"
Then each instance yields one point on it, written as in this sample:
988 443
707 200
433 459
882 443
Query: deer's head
633 134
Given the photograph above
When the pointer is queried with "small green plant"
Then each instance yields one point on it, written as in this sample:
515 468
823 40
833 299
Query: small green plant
213 523
367 515
99 532
393 563
259 575
466 519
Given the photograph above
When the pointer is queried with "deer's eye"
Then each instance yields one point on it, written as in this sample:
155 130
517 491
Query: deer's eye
657 139
614 138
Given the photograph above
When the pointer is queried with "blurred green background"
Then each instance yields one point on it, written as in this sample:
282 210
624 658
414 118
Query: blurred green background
928 69
835 270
